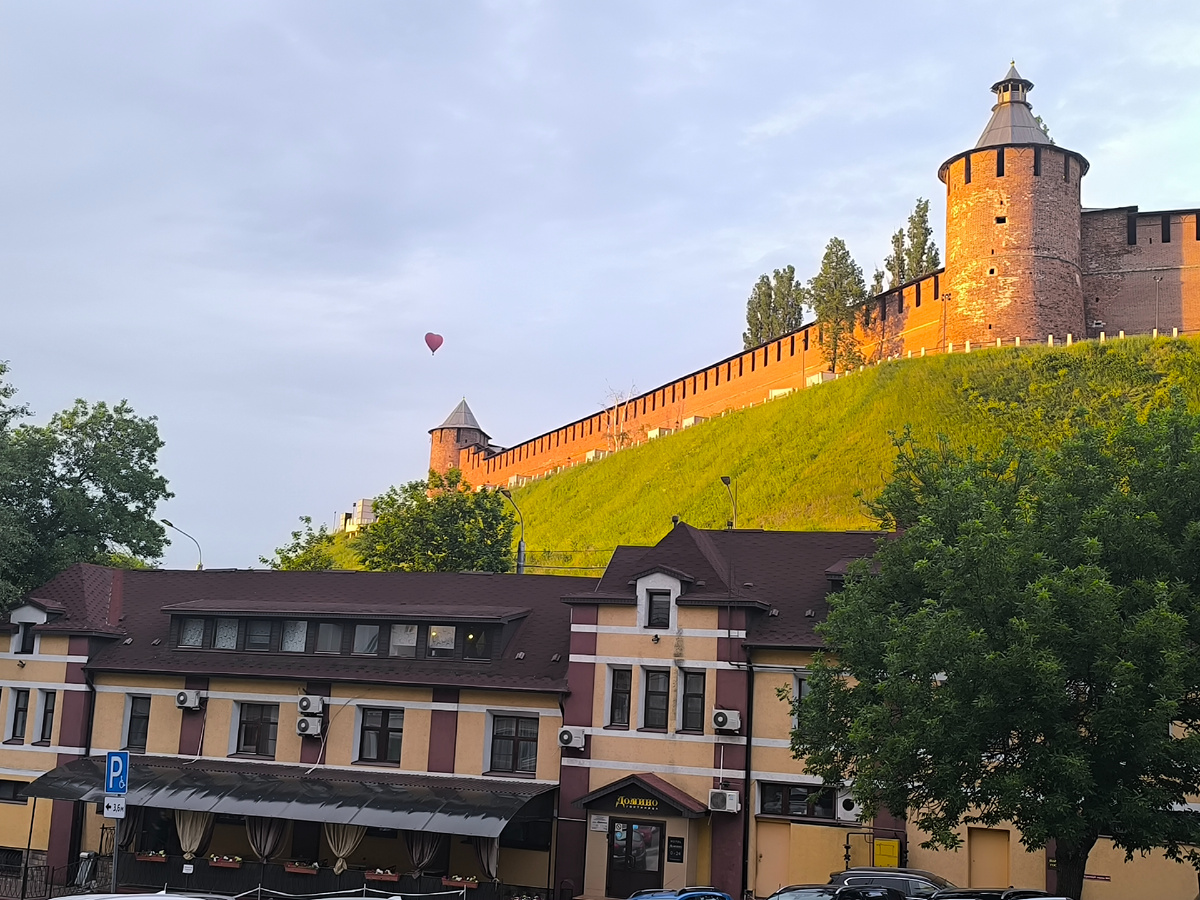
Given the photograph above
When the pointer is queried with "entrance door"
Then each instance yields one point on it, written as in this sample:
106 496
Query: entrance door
635 856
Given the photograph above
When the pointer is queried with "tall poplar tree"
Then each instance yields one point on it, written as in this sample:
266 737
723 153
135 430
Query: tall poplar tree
776 307
835 293
914 252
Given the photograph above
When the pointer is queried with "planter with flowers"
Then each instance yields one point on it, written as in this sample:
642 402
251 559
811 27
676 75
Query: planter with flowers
151 856
380 875
225 862
458 881
300 868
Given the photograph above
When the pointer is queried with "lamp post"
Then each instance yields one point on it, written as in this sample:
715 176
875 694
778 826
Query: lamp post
199 552
732 491
520 543
1157 294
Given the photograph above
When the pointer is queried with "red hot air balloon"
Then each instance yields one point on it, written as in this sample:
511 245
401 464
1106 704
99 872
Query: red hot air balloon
433 341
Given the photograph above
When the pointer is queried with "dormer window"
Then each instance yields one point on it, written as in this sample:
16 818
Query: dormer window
476 645
191 633
225 634
366 639
441 641
658 609
403 641
258 634
329 638
26 638
295 636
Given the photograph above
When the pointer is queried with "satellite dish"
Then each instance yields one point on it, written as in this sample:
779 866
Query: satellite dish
433 341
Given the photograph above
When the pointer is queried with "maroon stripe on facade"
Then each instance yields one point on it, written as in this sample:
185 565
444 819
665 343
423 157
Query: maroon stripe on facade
191 726
62 814
583 642
585 615
574 782
727 850
443 731
577 708
76 714
730 649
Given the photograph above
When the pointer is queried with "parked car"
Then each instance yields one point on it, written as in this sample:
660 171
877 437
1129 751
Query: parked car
836 892
1008 893
687 893
910 882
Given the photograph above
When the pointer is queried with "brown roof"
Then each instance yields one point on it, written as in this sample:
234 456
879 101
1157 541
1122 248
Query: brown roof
531 603
684 802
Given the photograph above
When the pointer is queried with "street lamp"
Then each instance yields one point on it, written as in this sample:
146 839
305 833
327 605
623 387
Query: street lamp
1157 294
521 543
199 552
732 491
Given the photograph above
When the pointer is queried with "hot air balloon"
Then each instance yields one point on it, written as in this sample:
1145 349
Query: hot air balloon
433 341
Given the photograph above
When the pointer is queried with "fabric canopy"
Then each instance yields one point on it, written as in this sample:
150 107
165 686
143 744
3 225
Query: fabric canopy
474 807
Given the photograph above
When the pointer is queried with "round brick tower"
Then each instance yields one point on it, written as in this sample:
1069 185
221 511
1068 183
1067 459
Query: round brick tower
1012 230
459 431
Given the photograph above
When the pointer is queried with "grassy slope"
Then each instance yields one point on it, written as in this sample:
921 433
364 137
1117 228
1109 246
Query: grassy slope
800 460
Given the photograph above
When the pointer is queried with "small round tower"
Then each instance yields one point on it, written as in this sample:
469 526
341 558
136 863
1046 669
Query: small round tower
459 431
1012 230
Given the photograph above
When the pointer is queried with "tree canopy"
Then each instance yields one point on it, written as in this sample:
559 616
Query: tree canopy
1024 647
438 525
835 292
776 307
309 550
914 252
80 488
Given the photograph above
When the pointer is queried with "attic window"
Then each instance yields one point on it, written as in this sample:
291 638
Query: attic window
658 610
26 638
191 633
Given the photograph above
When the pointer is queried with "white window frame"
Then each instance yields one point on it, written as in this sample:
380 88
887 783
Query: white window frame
128 715
11 714
658 582
799 688
487 739
643 681
356 744
680 672
26 616
235 726
41 714
608 692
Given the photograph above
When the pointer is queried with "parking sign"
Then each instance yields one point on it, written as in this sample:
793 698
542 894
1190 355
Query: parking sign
116 772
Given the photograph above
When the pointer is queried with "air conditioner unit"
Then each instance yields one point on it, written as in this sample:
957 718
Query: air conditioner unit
726 719
188 699
848 809
308 725
311 705
572 738
724 801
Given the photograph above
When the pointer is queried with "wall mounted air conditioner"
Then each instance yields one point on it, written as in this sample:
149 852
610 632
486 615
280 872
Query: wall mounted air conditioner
188 699
308 726
311 705
572 738
724 801
848 809
726 719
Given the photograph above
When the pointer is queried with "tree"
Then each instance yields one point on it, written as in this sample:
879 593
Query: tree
914 252
835 292
78 489
1024 647
876 287
439 525
308 551
775 308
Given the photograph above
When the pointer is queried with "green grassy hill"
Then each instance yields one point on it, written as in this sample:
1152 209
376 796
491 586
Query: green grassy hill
800 461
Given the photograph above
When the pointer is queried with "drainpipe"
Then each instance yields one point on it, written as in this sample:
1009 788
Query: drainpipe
749 749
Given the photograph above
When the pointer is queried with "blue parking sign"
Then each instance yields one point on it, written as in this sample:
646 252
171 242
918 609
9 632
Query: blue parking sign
116 772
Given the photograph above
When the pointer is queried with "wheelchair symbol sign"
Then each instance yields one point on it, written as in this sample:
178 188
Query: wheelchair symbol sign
116 772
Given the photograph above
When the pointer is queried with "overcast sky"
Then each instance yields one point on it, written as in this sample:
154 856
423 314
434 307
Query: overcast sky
244 216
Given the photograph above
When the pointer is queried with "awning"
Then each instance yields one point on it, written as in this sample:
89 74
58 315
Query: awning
646 794
477 807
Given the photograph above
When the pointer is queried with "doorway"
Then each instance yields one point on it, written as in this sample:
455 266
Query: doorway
635 857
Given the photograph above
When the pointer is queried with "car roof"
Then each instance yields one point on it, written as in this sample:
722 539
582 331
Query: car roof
893 870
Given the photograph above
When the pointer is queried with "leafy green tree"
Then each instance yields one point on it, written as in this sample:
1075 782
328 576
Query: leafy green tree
835 293
439 525
1024 647
308 551
78 489
775 308
914 252
876 287
896 262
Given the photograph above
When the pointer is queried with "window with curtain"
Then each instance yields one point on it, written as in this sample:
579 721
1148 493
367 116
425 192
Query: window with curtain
441 641
258 634
191 633
225 634
46 730
476 645
366 639
295 636
329 638
654 706
514 744
380 735
258 724
139 724
403 641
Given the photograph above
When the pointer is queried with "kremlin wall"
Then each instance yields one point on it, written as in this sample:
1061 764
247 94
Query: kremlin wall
1025 262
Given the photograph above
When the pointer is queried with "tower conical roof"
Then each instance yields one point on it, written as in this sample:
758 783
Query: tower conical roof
462 417
1012 120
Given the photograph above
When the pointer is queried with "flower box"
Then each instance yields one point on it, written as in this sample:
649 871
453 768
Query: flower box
450 882
224 864
381 876
149 857
300 870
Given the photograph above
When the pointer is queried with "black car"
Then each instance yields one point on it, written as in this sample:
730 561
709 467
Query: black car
836 892
909 882
991 894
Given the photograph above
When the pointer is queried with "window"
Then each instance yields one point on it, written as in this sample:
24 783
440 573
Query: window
9 789
514 744
46 727
366 639
295 636
1066 167
809 801
1166 229
967 170
654 709
26 638
1000 163
1037 160
1001 220
20 714
258 634
441 641
225 635
477 645
1131 230
191 633
257 727
693 702
658 610
403 642
380 736
139 724
618 704
329 638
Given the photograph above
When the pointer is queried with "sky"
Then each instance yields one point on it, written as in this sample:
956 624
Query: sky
244 216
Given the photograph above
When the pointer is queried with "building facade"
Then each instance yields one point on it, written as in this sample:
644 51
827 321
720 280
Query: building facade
1025 262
